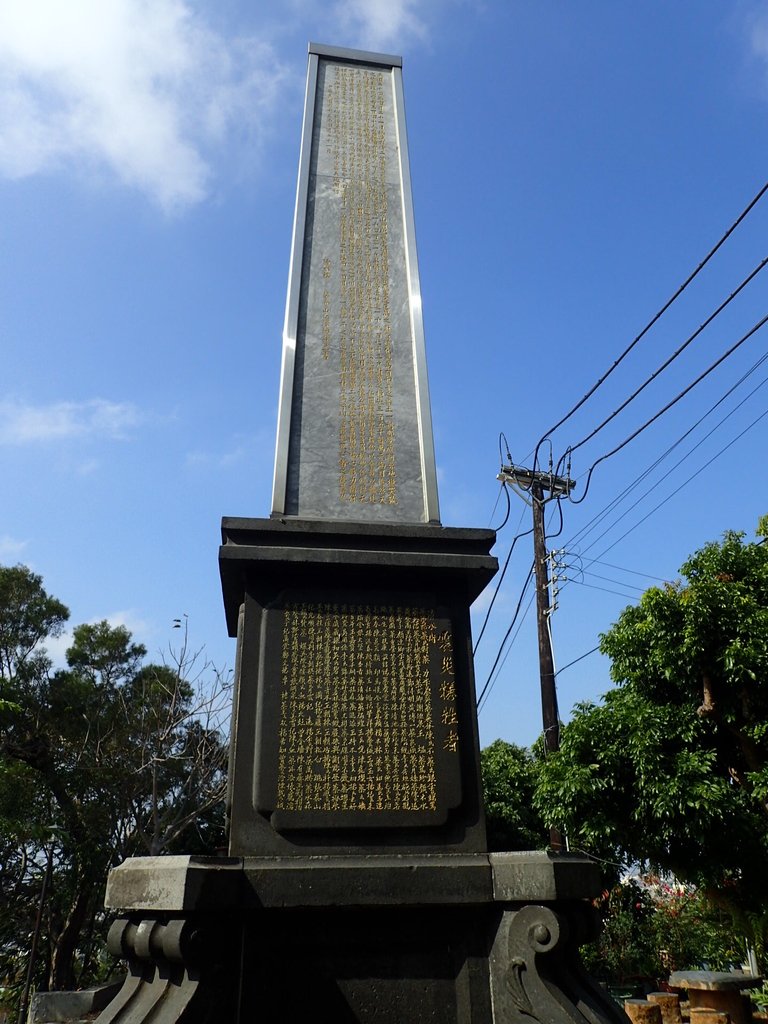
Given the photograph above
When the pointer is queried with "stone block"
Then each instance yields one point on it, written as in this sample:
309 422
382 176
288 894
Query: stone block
53 1007
669 1003
538 875
640 1011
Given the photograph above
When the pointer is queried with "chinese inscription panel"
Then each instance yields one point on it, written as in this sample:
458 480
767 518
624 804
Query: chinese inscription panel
367 724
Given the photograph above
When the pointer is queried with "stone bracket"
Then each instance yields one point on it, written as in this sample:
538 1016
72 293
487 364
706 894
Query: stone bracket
180 970
536 974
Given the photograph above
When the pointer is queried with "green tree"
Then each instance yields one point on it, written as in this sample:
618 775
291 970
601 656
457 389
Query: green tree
513 823
671 770
105 759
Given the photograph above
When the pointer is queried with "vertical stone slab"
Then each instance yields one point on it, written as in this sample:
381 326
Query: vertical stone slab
354 428
365 696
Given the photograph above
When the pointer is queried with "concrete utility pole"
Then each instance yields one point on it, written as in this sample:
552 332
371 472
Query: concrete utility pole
536 484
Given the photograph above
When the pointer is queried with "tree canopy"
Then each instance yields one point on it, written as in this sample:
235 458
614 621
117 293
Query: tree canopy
509 782
101 760
671 770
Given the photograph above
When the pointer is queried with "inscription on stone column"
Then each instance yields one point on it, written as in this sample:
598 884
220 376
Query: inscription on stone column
363 698
355 143
356 728
356 443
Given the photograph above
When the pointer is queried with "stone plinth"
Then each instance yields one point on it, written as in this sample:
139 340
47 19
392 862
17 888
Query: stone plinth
390 939
355 728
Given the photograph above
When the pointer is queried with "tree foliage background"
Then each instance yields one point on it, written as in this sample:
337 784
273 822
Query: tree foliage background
107 758
509 784
671 770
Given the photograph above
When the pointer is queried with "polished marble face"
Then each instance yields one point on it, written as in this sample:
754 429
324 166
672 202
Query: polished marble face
358 416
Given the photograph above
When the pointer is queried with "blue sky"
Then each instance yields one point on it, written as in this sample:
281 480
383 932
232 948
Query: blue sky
571 164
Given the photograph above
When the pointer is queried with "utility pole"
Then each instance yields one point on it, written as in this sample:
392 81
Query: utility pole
536 483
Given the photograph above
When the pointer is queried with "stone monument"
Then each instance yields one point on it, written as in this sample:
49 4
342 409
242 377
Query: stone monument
358 885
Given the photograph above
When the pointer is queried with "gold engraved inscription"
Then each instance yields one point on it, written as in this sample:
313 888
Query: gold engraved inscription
356 145
448 713
356 719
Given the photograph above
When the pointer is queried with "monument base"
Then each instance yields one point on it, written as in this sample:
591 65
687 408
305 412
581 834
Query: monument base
385 939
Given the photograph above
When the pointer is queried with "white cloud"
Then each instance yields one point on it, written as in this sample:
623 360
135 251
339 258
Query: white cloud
216 460
133 622
138 87
57 646
376 24
10 547
257 448
21 423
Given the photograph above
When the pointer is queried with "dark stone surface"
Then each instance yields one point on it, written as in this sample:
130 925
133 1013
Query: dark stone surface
375 750
300 551
49 1007
714 981
535 876
394 967
182 883
358 416
356 939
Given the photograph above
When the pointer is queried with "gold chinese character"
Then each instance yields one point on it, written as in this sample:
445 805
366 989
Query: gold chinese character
451 741
448 691
448 716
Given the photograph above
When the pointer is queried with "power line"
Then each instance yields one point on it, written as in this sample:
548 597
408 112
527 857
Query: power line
592 523
692 337
580 658
508 651
713 366
528 579
593 586
654 319
621 568
679 463
609 579
488 683
509 509
686 482
515 539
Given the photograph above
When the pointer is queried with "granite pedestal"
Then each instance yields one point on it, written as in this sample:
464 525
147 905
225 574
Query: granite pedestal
392 939
367 899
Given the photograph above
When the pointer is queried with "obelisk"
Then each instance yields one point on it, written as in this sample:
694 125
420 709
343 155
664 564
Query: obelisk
355 723
358 886
354 439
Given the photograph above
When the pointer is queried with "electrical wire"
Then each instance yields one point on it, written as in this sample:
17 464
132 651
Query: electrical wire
528 579
593 561
601 380
593 586
495 506
713 366
506 654
686 482
486 688
615 502
515 539
499 528
676 465
621 568
692 337
610 579
506 448
575 660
